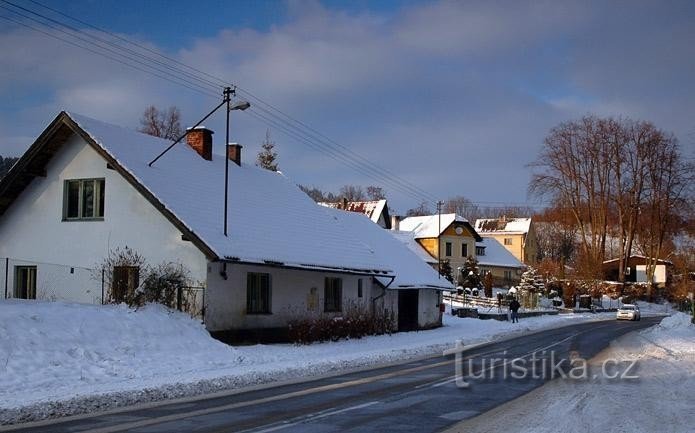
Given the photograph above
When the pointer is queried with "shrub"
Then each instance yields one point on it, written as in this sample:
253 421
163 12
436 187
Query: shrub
354 323
164 284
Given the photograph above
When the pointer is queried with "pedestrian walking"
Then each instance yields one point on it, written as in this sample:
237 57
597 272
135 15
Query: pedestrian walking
514 308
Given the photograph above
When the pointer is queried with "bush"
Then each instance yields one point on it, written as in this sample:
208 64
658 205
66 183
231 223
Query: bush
354 323
162 285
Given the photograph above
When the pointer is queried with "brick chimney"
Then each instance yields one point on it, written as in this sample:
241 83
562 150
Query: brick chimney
234 152
200 139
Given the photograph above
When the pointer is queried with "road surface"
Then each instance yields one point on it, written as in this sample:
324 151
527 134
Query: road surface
418 396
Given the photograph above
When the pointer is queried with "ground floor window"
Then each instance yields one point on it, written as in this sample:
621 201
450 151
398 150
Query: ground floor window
258 293
508 275
25 282
333 295
359 288
126 280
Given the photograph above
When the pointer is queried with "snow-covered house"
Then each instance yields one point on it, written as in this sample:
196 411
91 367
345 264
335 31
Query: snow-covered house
517 235
447 237
376 210
413 293
636 270
492 257
85 188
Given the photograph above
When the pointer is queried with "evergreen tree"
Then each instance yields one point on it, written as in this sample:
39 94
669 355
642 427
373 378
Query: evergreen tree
470 273
446 271
267 157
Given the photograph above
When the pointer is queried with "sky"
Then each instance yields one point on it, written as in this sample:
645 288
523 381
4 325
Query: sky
454 97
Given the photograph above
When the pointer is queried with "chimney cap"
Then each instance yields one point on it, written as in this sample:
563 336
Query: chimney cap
200 128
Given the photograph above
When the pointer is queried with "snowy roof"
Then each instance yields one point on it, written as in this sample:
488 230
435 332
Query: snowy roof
410 270
373 208
408 239
270 220
428 226
497 255
503 225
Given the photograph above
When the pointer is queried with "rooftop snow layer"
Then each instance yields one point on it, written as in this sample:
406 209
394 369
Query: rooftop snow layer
428 226
497 255
507 225
408 239
411 271
270 219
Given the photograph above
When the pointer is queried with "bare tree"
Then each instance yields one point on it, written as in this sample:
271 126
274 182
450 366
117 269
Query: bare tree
352 193
375 192
421 210
267 157
161 123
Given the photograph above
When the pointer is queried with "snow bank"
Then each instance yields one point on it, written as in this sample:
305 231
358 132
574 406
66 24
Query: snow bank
661 399
59 358
54 350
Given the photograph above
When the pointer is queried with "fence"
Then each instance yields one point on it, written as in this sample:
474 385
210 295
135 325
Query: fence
29 279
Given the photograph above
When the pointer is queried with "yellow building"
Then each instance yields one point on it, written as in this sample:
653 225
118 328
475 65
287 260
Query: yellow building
517 235
449 237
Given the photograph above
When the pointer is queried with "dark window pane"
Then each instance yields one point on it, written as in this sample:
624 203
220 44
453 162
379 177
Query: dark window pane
101 185
87 199
73 198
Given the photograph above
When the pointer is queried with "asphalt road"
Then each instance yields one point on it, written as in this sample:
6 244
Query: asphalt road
418 396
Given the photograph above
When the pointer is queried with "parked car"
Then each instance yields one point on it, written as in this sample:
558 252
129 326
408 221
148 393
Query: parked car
628 312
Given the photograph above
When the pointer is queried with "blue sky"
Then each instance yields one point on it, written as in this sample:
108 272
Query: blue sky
453 96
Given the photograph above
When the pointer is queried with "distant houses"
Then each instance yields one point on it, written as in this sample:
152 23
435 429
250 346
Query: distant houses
376 210
85 188
447 237
517 235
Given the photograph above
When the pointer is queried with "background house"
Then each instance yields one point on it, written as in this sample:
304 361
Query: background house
85 187
450 237
636 270
494 258
376 210
517 235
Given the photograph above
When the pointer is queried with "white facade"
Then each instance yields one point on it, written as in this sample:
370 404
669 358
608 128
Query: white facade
32 230
295 294
659 274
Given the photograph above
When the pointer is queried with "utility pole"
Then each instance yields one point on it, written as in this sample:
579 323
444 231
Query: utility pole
227 98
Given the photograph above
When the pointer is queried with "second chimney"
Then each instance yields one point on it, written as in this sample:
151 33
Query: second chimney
395 222
200 139
234 152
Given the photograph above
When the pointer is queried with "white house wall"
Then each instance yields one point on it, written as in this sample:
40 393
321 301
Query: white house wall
290 294
32 230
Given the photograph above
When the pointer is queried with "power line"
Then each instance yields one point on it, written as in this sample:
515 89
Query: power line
203 82
382 174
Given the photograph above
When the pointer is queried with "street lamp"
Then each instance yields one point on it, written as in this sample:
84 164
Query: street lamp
239 105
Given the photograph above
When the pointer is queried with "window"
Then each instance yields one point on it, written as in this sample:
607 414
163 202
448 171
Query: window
508 275
448 249
479 251
257 293
333 295
359 288
84 199
464 250
126 279
507 241
25 282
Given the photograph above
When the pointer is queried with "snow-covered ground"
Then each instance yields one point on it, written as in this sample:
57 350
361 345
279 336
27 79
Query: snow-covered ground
660 399
59 358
